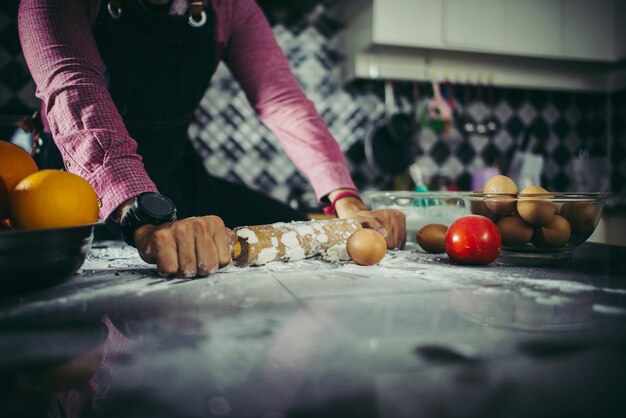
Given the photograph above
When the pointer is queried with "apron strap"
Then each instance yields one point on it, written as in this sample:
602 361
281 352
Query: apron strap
197 15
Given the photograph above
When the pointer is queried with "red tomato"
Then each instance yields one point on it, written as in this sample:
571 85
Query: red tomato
473 239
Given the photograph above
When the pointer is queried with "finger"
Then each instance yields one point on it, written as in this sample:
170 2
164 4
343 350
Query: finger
223 244
402 232
186 247
165 253
210 256
205 252
231 235
392 244
376 225
400 221
398 230
145 246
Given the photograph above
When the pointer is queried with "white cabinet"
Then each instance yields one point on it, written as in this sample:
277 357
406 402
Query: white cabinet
572 42
588 29
533 27
474 24
408 22
511 27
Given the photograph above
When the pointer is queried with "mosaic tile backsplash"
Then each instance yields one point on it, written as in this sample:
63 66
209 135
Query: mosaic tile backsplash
567 129
17 89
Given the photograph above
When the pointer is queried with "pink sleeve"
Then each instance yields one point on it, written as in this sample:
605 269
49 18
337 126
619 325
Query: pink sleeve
260 67
63 58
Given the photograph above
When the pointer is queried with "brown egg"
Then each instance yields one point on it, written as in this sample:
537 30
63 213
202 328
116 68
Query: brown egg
553 235
515 231
536 210
432 238
366 247
478 207
580 215
500 205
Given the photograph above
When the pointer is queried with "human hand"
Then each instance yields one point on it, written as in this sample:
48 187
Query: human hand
188 247
390 223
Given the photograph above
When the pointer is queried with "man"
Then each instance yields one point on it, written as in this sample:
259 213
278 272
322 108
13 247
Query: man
120 80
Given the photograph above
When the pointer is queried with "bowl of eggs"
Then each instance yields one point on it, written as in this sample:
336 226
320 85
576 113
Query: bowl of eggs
535 222
421 208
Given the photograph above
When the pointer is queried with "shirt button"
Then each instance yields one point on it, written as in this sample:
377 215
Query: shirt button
68 163
99 203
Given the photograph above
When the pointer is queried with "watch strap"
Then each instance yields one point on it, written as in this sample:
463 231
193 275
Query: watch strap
137 216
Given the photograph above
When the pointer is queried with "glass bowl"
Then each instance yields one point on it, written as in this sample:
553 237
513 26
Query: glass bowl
571 217
421 208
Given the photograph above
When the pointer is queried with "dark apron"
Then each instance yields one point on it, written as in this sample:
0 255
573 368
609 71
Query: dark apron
158 68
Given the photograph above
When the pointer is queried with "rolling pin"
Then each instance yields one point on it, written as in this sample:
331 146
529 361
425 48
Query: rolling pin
258 245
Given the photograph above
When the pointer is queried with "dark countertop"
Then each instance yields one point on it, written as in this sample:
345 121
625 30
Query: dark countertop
415 336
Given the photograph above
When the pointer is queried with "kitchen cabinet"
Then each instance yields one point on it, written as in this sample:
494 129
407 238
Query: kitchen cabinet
533 27
583 39
476 24
565 29
588 29
408 22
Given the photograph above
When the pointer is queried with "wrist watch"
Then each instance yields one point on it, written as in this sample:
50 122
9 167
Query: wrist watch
148 209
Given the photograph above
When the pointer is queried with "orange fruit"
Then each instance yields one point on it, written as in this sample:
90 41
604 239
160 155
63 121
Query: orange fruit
53 199
15 164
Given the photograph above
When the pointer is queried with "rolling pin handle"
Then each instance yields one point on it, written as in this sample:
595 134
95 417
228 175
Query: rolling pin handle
236 251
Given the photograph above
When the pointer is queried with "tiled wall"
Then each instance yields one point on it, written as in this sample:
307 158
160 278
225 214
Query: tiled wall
237 146
561 125
17 90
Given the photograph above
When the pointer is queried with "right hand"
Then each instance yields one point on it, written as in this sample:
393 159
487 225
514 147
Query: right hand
188 247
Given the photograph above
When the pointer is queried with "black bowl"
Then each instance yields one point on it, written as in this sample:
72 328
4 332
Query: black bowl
35 259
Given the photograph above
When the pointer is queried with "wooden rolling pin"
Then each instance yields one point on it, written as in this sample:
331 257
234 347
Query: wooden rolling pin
258 245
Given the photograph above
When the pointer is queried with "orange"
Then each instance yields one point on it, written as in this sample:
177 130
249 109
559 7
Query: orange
15 164
53 199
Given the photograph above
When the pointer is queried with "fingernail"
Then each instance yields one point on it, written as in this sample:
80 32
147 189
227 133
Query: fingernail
382 231
188 274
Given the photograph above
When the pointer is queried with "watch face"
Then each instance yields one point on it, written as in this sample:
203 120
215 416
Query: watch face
156 205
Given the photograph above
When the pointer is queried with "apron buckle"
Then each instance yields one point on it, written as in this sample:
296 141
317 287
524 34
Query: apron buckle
197 15
115 9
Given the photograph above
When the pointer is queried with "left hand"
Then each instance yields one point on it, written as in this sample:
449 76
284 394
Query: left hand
390 223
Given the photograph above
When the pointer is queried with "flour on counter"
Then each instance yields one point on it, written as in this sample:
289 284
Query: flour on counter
409 266
336 253
609 310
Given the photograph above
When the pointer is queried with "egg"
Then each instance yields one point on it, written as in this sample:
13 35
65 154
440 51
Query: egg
478 207
555 234
536 210
515 231
366 247
580 215
500 205
432 238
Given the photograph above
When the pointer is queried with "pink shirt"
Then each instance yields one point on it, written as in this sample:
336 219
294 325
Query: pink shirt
63 58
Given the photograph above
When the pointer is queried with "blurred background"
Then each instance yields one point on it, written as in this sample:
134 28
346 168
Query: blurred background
535 89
